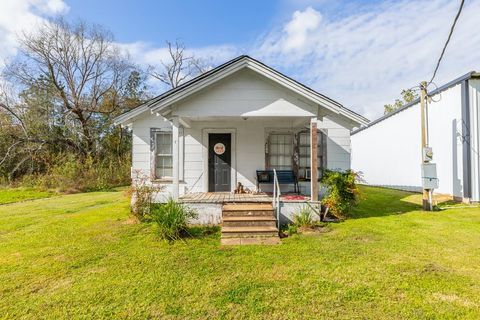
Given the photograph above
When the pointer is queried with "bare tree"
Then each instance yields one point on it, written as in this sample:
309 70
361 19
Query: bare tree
82 70
179 67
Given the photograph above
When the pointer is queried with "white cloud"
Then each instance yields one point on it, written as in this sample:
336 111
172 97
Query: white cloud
362 56
51 6
297 30
19 15
364 59
146 54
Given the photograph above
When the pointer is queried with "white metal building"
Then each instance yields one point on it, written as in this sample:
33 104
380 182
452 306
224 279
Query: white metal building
388 150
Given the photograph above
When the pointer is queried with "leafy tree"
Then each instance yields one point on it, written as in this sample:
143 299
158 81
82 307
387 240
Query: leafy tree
407 96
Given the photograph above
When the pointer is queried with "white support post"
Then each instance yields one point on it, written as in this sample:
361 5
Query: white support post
175 157
313 160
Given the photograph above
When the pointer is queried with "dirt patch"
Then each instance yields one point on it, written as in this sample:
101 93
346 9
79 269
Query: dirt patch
433 268
453 298
313 229
131 220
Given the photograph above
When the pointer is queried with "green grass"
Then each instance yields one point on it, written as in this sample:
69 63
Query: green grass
10 195
78 256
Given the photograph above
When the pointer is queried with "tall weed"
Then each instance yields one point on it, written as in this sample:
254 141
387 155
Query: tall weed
172 219
69 174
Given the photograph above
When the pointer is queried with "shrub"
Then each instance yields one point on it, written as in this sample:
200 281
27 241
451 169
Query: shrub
143 194
172 219
292 229
303 218
342 191
69 174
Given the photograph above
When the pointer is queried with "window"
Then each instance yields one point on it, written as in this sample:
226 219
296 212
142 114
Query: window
304 154
163 155
280 151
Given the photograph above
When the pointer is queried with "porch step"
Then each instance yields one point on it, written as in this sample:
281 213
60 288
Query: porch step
249 223
253 240
247 209
249 231
247 206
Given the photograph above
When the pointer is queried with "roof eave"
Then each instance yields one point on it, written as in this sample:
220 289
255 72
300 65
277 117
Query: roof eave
126 118
469 75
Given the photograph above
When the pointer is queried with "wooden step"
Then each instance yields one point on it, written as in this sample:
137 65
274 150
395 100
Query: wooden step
249 218
249 231
249 221
248 213
246 241
247 207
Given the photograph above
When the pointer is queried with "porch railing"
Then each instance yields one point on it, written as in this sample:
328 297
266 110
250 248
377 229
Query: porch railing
276 197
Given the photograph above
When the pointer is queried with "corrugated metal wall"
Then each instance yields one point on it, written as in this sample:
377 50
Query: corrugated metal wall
389 153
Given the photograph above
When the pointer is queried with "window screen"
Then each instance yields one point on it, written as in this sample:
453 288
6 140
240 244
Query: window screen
280 151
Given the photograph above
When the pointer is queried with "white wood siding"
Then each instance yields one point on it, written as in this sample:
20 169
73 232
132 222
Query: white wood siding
338 143
141 140
224 106
245 94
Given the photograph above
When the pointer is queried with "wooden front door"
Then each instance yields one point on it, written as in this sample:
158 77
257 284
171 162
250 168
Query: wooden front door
219 162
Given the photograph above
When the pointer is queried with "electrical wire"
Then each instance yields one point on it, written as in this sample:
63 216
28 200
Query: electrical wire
438 92
448 40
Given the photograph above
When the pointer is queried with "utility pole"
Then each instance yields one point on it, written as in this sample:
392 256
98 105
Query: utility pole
426 199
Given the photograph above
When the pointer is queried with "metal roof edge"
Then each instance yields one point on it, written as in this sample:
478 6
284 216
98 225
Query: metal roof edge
469 75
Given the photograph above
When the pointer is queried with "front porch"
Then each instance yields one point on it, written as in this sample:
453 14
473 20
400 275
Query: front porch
230 197
210 161
247 218
210 205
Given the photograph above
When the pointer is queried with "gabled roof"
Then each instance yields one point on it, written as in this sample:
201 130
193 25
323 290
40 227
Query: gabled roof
162 102
469 75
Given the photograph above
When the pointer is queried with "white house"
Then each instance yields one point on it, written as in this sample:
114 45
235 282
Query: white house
388 150
204 137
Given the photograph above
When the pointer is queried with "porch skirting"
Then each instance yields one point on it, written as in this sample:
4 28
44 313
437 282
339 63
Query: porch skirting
209 205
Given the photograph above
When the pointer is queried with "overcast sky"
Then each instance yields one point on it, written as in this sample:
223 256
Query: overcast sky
360 53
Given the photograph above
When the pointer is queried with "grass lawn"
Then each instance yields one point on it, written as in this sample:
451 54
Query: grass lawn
9 195
78 256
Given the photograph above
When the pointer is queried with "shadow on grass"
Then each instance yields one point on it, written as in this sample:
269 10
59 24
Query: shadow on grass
199 232
379 202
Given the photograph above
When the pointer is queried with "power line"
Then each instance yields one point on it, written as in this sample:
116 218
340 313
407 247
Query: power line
448 40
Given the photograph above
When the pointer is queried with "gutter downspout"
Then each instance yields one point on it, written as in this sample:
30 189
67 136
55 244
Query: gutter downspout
466 142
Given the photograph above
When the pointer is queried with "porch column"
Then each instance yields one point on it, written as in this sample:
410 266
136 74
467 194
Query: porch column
313 160
175 157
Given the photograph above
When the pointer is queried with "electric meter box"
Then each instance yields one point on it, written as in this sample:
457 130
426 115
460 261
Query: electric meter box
427 154
429 176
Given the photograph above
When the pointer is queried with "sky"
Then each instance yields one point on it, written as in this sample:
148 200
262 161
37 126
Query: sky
360 53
